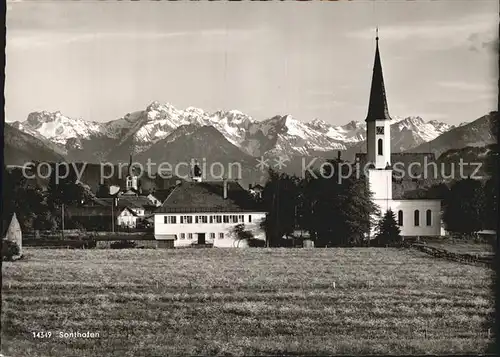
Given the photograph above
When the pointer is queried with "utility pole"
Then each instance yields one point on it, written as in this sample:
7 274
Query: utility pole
62 220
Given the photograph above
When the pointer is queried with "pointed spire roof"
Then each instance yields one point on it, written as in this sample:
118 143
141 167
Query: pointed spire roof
130 166
377 108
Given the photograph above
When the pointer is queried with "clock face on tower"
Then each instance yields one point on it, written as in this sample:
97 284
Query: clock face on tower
380 130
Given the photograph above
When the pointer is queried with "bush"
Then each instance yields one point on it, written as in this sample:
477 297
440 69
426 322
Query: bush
123 244
89 244
9 250
256 243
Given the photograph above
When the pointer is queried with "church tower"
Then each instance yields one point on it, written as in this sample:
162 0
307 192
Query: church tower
378 121
378 135
196 173
131 180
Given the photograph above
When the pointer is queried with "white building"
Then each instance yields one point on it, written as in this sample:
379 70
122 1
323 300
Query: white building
416 217
205 213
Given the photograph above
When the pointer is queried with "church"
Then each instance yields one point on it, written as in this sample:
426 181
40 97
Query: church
415 217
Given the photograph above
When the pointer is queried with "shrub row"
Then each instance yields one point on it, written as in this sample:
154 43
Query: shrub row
462 258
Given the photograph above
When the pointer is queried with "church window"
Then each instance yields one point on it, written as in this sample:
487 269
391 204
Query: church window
400 218
428 217
380 130
379 147
416 218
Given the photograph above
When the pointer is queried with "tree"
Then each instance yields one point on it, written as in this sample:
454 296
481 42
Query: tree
9 249
491 204
388 232
339 211
280 198
241 234
464 207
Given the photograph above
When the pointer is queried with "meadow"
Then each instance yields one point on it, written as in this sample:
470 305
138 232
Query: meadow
244 302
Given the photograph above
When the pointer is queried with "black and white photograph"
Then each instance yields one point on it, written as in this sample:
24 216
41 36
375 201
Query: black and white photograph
249 178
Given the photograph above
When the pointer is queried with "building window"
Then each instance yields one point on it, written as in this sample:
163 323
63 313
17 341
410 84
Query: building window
182 219
416 218
400 218
428 217
212 235
170 219
379 147
221 235
204 219
241 218
234 218
211 219
226 219
183 235
218 219
190 235
249 218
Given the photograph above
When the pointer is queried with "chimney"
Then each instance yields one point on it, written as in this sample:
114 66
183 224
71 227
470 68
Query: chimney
225 188
339 154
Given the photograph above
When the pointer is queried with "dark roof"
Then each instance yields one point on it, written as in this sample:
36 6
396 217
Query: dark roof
101 211
257 186
377 108
124 201
208 197
134 201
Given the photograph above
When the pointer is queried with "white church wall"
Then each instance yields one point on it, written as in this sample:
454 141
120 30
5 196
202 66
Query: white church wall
380 182
408 207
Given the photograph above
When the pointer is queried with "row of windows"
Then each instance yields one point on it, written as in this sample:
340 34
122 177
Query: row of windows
233 218
190 236
416 217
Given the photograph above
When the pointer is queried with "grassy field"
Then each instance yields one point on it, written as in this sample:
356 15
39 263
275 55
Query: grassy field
244 301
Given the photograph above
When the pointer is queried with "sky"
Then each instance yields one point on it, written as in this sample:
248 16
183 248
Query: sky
99 60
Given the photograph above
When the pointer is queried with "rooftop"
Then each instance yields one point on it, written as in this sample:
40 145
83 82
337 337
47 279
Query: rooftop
192 197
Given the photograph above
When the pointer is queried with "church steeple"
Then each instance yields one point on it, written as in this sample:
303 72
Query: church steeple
377 108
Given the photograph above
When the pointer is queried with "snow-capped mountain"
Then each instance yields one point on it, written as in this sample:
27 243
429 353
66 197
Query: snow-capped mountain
280 135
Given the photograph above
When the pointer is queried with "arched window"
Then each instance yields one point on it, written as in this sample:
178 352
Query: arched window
416 218
428 217
379 147
400 217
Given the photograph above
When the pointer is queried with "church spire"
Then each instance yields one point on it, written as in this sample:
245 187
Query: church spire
377 108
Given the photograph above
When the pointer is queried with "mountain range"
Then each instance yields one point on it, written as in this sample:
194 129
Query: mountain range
280 135
162 133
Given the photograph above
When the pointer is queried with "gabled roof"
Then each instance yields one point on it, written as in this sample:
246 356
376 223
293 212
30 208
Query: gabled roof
377 108
195 197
